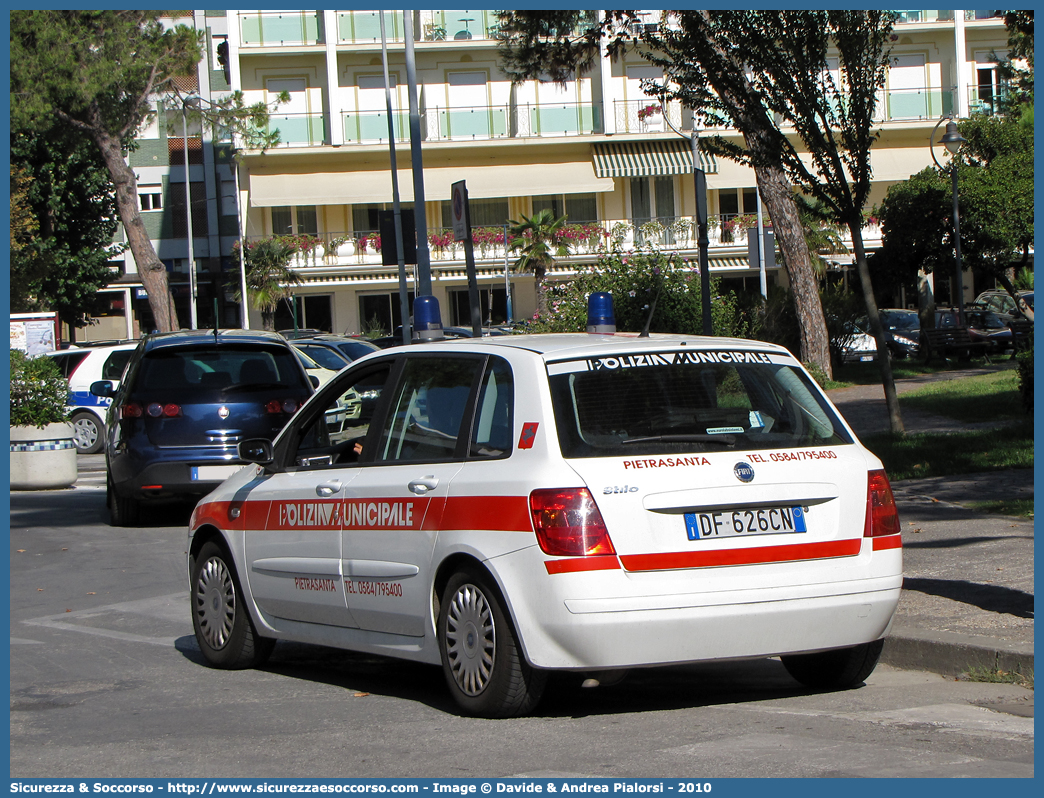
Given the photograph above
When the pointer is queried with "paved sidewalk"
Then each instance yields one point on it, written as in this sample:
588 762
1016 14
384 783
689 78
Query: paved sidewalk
968 593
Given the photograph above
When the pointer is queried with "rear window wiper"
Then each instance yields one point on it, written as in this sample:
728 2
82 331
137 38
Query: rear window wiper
727 440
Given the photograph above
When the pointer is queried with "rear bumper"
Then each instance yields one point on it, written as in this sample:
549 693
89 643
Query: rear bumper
185 476
625 629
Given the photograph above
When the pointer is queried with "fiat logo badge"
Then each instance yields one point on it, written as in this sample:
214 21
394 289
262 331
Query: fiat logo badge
223 411
744 472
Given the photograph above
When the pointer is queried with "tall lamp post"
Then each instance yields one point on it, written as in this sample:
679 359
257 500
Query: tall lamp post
952 140
189 102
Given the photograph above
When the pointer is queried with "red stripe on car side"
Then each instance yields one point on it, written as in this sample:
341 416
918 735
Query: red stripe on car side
762 554
608 562
502 513
888 542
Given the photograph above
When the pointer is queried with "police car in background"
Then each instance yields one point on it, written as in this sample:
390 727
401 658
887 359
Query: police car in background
507 507
82 366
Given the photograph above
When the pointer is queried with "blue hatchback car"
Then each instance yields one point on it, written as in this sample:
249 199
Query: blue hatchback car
187 399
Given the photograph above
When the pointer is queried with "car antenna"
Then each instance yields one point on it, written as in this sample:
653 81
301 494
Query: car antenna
652 309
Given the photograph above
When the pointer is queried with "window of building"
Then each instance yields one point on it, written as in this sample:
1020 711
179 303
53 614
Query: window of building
228 198
314 311
294 220
150 197
492 301
179 217
652 198
577 208
483 212
381 313
366 218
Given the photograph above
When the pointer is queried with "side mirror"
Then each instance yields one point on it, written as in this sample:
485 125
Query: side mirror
256 450
314 380
102 388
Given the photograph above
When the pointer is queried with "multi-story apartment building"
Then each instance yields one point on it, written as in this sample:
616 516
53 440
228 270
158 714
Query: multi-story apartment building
597 150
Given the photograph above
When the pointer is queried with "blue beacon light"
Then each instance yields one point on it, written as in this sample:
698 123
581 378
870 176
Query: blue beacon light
600 316
427 320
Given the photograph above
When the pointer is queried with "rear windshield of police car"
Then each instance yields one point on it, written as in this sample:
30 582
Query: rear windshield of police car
688 401
216 373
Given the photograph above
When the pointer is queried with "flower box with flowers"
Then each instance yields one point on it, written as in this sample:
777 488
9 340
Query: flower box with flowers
648 111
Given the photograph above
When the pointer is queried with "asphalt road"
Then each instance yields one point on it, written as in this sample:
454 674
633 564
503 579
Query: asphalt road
106 681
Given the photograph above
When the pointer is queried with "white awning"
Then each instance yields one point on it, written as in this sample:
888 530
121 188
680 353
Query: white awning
270 188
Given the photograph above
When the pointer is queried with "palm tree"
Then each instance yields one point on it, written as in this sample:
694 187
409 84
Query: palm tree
539 241
821 234
268 276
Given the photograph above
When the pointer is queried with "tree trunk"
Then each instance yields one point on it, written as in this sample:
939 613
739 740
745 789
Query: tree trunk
151 270
895 416
804 283
541 297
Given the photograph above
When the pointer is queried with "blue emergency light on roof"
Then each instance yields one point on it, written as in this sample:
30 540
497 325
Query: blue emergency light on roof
600 316
427 320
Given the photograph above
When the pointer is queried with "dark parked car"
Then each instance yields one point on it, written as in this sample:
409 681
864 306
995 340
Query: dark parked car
330 350
186 400
903 331
303 332
1002 303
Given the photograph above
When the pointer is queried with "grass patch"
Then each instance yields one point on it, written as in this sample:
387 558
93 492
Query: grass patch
985 397
870 373
927 455
1023 508
997 676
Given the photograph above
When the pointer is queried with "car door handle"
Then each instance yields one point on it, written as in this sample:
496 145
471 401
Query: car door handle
423 485
328 488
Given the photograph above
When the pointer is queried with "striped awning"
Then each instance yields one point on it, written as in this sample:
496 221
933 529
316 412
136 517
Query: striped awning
648 158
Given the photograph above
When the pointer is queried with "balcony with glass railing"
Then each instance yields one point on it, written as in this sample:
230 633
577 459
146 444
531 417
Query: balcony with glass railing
913 104
441 26
280 28
371 127
299 130
913 17
364 27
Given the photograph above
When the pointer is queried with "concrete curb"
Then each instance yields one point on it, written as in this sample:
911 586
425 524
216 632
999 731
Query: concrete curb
951 654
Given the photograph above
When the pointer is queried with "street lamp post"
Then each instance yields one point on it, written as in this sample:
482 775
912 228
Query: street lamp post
952 140
188 208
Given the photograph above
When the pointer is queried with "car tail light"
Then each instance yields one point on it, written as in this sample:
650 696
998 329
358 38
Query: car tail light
158 409
882 518
130 410
288 406
568 523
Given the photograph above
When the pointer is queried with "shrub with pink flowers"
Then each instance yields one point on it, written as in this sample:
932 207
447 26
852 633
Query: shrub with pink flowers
635 279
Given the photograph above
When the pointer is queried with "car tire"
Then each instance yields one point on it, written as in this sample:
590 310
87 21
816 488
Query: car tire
224 630
89 433
122 511
481 659
841 669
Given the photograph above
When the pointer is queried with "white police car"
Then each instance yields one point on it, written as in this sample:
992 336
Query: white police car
82 366
511 506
